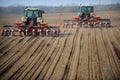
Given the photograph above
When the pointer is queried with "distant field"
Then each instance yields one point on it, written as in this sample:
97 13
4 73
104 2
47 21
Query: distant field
55 19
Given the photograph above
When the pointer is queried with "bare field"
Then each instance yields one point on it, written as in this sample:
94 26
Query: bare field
84 54
56 19
77 54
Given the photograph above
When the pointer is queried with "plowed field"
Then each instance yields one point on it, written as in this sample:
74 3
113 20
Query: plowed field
82 54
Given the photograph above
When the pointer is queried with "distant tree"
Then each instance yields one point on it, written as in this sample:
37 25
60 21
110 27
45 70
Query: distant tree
58 9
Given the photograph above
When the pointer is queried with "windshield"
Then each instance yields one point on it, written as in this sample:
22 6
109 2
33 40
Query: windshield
86 9
32 14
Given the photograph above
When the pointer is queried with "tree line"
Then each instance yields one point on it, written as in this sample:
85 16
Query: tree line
57 9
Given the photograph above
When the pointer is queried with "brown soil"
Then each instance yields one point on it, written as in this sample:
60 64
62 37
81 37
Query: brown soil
78 54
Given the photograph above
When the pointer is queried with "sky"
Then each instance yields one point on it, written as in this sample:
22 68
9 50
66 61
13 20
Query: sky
55 2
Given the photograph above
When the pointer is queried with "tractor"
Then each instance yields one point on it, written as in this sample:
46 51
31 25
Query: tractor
87 17
31 23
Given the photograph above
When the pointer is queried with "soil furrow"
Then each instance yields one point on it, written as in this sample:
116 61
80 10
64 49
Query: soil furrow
38 74
110 53
49 61
96 67
60 67
5 44
53 65
12 52
11 46
71 75
22 74
104 61
27 64
83 60
5 67
42 57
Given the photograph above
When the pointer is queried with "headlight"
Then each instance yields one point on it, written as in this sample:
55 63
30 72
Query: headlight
39 20
24 19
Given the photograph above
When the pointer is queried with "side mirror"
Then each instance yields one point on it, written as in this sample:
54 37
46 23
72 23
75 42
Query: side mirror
24 14
42 11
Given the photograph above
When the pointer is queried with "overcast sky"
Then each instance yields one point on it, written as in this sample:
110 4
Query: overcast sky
55 2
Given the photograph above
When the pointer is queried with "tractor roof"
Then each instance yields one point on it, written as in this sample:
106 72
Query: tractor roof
87 6
32 9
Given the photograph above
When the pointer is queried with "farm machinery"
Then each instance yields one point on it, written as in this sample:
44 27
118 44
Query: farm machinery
87 17
32 24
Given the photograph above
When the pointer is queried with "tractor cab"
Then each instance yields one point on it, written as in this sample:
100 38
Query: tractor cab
33 15
86 12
